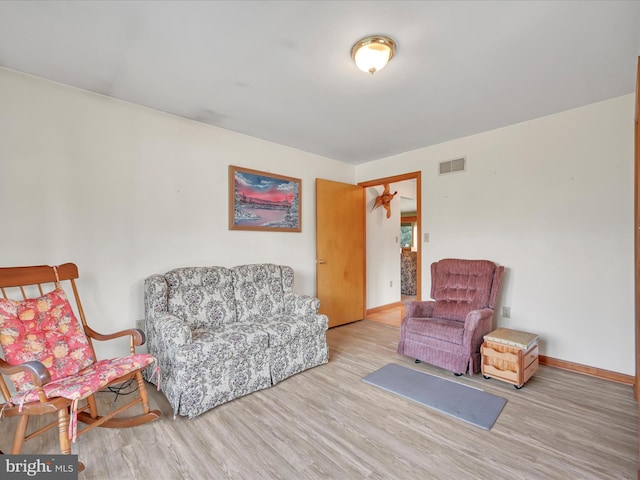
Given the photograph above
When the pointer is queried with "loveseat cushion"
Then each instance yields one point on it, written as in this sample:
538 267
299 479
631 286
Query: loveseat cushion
220 364
283 329
201 296
450 331
258 290
229 341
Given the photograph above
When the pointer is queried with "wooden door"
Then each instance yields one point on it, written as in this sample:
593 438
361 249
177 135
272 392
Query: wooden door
340 260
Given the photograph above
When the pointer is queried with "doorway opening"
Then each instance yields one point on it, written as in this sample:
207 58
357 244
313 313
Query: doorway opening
394 251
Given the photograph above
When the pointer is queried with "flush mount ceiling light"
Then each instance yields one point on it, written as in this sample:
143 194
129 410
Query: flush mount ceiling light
373 53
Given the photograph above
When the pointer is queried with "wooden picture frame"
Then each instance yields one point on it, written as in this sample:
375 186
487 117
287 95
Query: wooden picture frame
264 201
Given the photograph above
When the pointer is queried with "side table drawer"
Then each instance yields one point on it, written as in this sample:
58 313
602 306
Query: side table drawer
508 363
531 356
507 375
531 363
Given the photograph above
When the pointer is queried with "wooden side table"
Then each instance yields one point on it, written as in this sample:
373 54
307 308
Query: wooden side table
510 356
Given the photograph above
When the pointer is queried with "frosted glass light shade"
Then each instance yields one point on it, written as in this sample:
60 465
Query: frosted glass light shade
373 53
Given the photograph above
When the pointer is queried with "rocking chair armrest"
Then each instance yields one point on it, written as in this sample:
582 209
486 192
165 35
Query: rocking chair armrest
137 334
38 371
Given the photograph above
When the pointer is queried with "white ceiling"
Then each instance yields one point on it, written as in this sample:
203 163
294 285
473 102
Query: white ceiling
281 70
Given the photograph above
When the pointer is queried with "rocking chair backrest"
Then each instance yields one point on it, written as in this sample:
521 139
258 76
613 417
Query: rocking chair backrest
55 337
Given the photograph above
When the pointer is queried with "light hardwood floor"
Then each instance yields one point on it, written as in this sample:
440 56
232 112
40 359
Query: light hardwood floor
326 423
391 316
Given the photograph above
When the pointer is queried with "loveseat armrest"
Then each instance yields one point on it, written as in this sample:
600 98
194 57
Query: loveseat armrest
297 304
168 331
422 309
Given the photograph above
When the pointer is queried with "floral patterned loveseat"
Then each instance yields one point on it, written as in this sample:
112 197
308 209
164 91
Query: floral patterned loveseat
220 333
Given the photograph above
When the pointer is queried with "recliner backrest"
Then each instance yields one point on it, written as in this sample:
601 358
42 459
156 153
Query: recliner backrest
459 286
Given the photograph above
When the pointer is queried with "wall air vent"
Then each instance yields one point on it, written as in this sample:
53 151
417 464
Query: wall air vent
452 166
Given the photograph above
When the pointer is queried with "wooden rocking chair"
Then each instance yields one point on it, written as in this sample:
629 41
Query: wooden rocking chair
49 356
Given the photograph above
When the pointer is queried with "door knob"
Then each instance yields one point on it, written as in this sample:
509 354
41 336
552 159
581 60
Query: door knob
321 261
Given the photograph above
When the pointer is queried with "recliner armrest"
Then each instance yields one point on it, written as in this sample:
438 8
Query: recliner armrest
475 316
476 325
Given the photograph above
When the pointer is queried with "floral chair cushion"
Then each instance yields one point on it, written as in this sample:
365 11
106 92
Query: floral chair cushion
43 329
86 382
89 380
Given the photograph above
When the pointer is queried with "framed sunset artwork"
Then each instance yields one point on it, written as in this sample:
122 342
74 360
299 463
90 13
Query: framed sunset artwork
263 201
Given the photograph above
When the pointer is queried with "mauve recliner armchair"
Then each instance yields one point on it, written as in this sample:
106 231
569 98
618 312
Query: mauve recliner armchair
448 331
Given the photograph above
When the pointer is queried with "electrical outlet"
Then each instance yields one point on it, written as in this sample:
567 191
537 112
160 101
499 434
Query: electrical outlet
391 283
426 238
140 324
506 312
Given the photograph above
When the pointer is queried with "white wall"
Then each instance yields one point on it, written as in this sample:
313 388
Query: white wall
552 200
125 192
